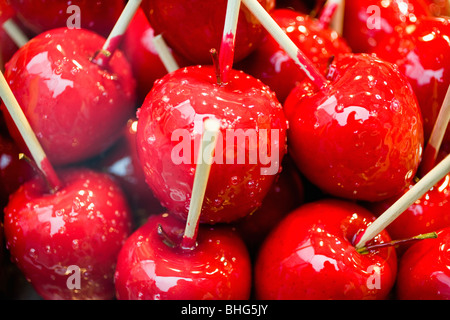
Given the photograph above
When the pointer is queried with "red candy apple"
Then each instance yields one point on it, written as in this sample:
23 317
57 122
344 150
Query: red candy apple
367 22
43 15
270 63
138 47
359 132
75 108
311 255
193 27
81 226
422 53
170 124
424 270
152 265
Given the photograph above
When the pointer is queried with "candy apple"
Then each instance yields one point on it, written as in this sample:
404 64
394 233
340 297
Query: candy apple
362 129
75 108
43 15
424 270
170 124
78 229
311 255
138 47
193 27
270 63
13 171
369 21
153 266
422 52
122 162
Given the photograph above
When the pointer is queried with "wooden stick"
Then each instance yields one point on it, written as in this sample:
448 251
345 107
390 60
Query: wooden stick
328 12
204 161
28 135
437 135
366 250
226 53
337 22
111 44
165 54
15 33
415 193
286 43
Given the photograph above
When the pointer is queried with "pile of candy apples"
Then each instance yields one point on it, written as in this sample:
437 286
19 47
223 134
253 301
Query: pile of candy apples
303 162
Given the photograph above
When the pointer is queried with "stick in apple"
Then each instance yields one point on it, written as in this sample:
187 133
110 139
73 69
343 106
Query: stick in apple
104 55
7 14
204 161
15 33
226 53
28 135
286 43
429 235
165 54
437 135
416 192
337 21
328 12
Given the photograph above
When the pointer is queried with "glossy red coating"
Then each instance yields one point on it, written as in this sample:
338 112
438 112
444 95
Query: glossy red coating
179 103
310 256
43 15
75 108
140 51
424 270
422 53
271 64
429 213
367 22
362 136
179 21
226 57
84 224
218 268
